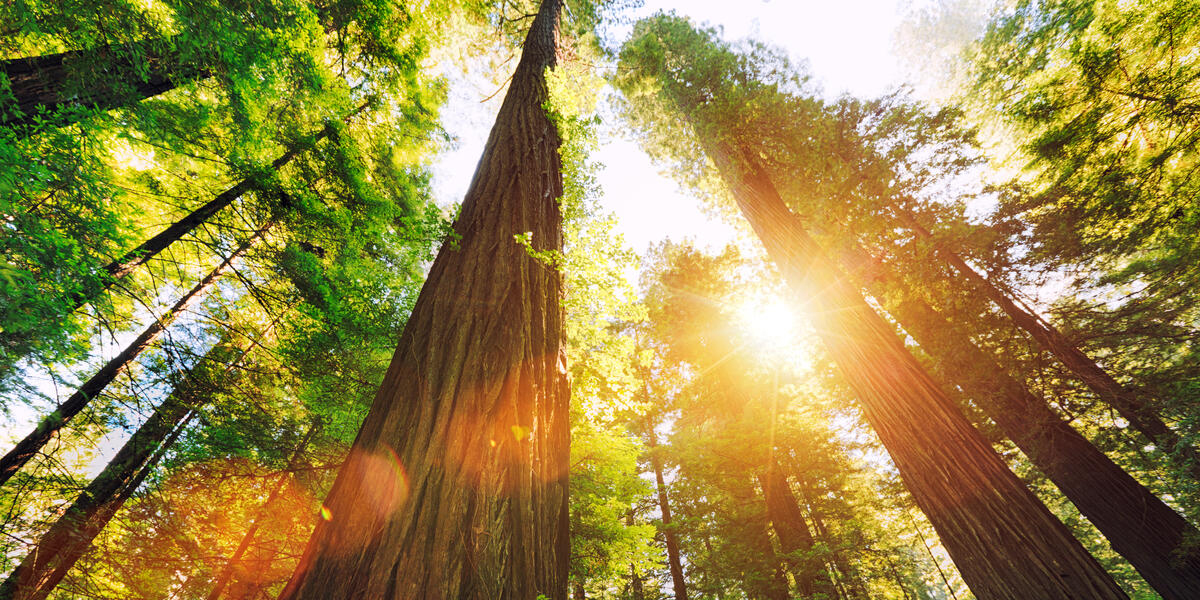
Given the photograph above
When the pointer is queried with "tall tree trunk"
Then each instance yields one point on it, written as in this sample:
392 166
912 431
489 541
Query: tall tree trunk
793 533
456 487
45 430
1140 526
1004 541
101 78
1129 404
72 534
674 561
240 574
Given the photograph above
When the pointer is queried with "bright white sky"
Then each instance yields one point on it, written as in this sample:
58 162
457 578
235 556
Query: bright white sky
846 43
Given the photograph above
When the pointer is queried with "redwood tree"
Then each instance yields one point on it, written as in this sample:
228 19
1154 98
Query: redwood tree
456 486
1138 525
1004 541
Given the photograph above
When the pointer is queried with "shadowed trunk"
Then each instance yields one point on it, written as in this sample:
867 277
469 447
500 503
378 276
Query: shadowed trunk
1128 403
770 580
456 487
101 78
71 536
674 562
1140 526
242 575
1004 541
46 429
795 538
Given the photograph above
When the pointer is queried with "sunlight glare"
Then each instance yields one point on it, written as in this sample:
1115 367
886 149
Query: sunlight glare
770 323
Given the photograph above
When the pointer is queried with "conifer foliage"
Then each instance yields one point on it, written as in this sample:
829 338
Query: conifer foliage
246 353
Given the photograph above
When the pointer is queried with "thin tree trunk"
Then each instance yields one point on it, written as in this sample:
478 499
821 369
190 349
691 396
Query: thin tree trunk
674 561
899 580
1004 541
70 537
45 430
123 266
1140 526
1129 404
234 570
793 533
101 78
456 487
851 585
635 578
932 557
577 592
773 585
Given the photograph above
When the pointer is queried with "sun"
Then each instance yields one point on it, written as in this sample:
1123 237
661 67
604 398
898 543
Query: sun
768 322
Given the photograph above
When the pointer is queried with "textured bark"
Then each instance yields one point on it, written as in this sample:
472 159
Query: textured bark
1006 544
793 533
72 534
241 574
456 487
674 562
1128 403
1140 526
102 78
46 429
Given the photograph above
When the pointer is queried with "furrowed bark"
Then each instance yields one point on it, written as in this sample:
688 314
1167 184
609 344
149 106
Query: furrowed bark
1006 544
793 533
1138 525
456 487
49 426
1128 403
234 568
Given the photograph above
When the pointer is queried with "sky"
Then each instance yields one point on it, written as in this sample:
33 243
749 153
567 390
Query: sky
847 45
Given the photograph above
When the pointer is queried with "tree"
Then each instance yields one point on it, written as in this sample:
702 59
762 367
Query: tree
72 534
49 87
1017 547
31 444
1100 104
464 452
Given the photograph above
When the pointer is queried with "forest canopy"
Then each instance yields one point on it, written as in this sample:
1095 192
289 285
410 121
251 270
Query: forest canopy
265 333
